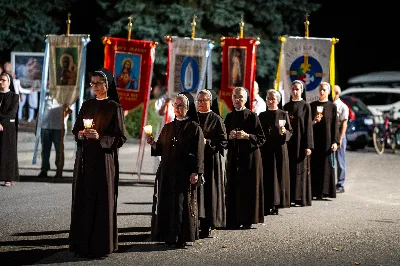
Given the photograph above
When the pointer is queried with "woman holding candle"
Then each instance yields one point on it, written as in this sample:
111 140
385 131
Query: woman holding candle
277 129
326 137
93 231
181 147
300 145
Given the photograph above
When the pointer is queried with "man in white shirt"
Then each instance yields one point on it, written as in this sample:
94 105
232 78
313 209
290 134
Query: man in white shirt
343 115
51 131
259 105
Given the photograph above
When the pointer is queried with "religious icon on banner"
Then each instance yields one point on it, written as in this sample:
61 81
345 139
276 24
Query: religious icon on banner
237 59
66 74
127 70
189 71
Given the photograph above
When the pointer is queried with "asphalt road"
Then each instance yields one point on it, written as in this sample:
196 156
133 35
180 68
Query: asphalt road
359 227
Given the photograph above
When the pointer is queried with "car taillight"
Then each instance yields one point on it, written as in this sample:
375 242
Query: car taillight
352 115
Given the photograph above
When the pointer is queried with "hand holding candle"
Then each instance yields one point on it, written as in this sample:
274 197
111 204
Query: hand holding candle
320 109
148 130
282 124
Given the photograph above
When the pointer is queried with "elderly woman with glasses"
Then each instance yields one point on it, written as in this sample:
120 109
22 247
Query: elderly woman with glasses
277 129
244 192
215 140
8 139
181 147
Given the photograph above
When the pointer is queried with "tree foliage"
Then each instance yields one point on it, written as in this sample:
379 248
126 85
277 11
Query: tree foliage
26 22
264 19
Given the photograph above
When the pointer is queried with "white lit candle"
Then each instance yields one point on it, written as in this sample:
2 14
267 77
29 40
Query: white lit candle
320 109
148 129
88 123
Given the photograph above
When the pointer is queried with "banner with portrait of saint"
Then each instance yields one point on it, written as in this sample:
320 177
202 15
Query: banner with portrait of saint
131 61
238 66
188 65
311 60
66 66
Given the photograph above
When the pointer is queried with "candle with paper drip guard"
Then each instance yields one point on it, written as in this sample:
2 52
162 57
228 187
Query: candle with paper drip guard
282 124
320 109
88 123
148 130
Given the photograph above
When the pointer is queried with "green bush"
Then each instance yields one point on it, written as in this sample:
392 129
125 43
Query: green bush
133 121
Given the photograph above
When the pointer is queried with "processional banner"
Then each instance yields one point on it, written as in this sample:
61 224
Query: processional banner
63 75
131 61
311 60
188 65
238 66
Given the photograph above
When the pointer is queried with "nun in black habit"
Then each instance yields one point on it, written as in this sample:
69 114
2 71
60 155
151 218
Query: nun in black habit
8 132
93 230
244 172
181 147
215 140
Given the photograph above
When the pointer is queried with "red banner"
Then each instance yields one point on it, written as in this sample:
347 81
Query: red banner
238 66
132 65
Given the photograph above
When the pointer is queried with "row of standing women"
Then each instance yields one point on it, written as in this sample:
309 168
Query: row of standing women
267 163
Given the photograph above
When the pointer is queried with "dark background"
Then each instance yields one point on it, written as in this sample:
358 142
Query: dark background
367 33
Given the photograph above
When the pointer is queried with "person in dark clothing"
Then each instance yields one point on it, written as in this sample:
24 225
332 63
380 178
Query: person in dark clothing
326 138
8 133
300 146
215 140
93 229
244 191
181 147
277 129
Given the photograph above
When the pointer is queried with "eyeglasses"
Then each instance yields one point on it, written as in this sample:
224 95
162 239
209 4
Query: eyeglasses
179 106
202 101
96 84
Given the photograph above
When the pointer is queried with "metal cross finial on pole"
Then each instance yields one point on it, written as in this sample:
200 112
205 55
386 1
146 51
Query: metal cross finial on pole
193 26
68 23
241 24
129 28
307 24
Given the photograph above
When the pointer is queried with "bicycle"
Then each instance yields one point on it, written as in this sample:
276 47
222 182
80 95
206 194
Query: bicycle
388 135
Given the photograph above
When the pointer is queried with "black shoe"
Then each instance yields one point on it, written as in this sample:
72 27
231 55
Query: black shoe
340 190
43 174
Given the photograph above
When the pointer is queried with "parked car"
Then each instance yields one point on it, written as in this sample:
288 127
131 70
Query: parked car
379 99
360 123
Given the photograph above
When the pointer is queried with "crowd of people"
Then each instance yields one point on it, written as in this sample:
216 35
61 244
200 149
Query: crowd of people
275 158
213 173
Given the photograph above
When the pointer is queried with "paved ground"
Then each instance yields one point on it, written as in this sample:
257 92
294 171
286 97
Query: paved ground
359 227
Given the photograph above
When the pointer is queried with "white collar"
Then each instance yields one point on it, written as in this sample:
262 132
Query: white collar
241 109
273 109
297 100
182 119
324 101
206 112
102 99
5 91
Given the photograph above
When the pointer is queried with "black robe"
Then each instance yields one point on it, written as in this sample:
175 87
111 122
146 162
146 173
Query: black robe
181 147
8 137
214 187
244 189
94 228
275 160
299 163
325 134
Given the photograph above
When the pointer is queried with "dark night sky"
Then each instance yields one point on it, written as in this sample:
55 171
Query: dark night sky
367 36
